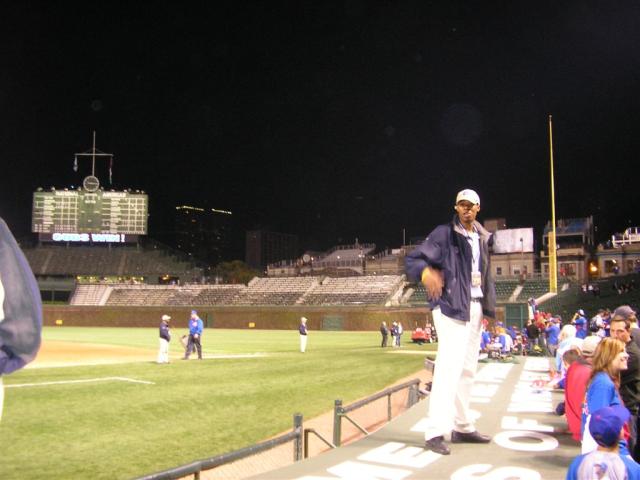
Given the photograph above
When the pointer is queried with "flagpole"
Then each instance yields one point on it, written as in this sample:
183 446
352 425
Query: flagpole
553 259
93 157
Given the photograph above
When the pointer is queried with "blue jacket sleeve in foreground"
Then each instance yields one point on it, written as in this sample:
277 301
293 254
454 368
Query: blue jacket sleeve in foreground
21 307
429 254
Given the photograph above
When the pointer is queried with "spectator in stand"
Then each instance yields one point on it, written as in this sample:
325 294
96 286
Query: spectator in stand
506 342
625 312
575 385
566 340
629 379
609 360
533 334
580 322
485 339
384 331
540 322
606 461
552 332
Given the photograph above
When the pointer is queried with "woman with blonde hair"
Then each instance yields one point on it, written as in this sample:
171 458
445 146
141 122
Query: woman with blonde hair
609 359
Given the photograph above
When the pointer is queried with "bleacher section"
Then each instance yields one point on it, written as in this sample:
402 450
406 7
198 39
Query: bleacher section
504 289
89 294
367 290
184 296
533 288
357 290
276 291
418 295
102 261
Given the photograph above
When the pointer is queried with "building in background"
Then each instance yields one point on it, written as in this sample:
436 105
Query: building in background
203 233
264 247
619 256
513 253
575 248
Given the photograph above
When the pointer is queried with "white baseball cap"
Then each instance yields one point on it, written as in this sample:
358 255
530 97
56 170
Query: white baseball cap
166 317
468 195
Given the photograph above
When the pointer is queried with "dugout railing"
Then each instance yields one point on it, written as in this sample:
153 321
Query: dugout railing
298 435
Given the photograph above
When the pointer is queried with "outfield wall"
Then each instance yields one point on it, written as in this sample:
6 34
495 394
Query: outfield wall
269 318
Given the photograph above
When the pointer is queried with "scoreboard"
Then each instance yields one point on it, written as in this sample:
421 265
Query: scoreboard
92 212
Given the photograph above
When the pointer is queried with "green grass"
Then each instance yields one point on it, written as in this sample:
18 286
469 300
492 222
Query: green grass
113 430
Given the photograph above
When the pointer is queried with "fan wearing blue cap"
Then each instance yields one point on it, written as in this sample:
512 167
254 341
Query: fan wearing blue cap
606 428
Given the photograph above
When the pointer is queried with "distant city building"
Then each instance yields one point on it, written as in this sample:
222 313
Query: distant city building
513 252
574 248
264 247
495 224
203 233
620 255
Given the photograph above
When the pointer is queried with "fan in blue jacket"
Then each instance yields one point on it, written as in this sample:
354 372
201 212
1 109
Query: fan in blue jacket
453 264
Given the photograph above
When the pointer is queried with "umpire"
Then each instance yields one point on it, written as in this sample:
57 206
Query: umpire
195 334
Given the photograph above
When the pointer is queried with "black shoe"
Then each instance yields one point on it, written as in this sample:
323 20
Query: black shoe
473 437
437 445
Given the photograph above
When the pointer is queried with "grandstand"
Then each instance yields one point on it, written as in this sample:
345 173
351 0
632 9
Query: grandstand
171 295
505 288
533 288
104 261
366 290
276 291
286 291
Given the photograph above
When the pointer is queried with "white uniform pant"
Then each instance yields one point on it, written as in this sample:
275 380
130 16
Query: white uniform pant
455 371
163 351
303 343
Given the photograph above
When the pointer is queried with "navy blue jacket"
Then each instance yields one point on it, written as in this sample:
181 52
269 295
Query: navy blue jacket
164 331
447 249
21 307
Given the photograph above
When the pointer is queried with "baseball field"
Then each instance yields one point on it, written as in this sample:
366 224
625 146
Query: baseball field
96 405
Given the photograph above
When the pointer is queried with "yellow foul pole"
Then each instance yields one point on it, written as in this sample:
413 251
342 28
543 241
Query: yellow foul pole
553 259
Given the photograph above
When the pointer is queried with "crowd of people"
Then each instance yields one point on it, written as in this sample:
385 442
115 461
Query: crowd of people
597 366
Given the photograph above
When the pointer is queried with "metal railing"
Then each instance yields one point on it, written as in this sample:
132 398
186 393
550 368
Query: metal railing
299 436
341 411
194 468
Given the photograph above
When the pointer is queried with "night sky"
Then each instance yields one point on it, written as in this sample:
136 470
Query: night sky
330 120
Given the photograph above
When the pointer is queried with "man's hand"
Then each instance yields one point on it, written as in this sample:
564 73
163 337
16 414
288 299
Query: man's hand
433 281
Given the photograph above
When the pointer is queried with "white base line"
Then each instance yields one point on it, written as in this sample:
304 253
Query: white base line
66 382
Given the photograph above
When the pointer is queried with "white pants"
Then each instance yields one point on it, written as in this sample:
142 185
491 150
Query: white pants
163 351
455 371
303 343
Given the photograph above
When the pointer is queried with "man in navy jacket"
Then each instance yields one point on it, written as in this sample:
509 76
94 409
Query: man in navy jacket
20 308
453 265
